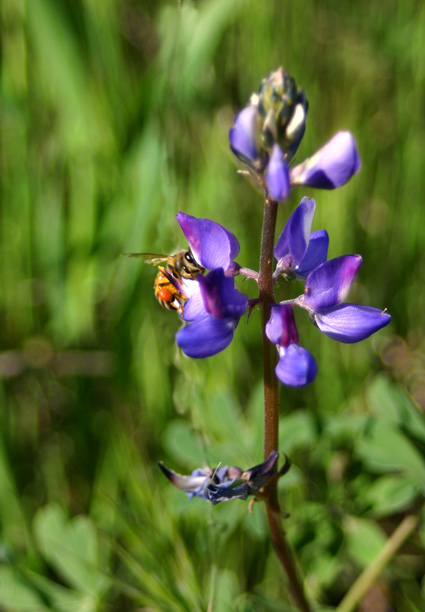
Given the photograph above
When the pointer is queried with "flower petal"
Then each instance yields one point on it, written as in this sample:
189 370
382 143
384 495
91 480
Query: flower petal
220 296
206 337
316 253
281 328
259 475
277 175
212 245
243 135
296 367
351 322
332 166
193 485
329 284
295 236
227 491
194 307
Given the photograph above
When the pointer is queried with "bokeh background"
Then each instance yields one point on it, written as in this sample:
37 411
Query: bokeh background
115 116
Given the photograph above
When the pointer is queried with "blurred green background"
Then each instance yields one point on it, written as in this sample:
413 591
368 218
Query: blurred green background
114 116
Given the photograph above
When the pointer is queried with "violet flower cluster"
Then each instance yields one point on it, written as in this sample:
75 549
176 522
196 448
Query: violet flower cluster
215 306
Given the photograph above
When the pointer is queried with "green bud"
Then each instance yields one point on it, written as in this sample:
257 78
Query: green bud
282 109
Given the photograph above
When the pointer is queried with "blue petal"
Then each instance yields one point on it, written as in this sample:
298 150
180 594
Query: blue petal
329 284
296 366
243 135
316 253
277 175
295 236
228 491
212 245
332 166
351 322
220 296
281 328
206 337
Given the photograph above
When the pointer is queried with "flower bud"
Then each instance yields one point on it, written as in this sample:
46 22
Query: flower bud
282 109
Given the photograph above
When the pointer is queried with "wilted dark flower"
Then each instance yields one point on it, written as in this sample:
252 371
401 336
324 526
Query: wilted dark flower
224 483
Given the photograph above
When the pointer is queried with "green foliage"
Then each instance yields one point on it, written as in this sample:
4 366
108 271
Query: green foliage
114 116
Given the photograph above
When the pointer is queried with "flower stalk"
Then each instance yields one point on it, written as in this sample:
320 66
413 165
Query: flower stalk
271 406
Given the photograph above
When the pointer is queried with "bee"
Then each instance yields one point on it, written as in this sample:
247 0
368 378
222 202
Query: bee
167 286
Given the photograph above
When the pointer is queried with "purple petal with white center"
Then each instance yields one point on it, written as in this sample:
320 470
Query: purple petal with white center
194 307
212 245
243 134
220 296
295 236
329 284
351 322
316 253
206 337
277 175
281 328
296 366
332 166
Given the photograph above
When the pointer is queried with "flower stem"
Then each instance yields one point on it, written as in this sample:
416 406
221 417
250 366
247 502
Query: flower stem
271 406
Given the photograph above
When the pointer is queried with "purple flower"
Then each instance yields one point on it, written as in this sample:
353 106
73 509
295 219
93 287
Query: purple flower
214 305
214 310
297 251
332 166
325 290
225 483
296 366
212 245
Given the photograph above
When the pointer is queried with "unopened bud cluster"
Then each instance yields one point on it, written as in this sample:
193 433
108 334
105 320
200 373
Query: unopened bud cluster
282 111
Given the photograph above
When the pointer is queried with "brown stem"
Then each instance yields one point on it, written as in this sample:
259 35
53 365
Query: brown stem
265 285
271 406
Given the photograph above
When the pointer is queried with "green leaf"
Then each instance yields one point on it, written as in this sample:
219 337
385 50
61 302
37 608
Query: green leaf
389 494
183 444
15 595
226 589
392 403
364 540
386 449
296 430
70 547
61 598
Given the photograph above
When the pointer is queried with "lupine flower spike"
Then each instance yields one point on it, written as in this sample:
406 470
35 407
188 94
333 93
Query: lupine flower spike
266 134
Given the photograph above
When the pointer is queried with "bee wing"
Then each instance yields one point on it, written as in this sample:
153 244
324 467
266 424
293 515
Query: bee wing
150 258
